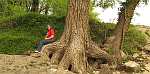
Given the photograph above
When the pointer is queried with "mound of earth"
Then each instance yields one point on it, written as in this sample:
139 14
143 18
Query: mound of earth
24 64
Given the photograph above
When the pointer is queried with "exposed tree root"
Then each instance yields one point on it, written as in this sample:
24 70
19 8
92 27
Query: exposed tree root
57 51
57 56
65 59
95 51
50 49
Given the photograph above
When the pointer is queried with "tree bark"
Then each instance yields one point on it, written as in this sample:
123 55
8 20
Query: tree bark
76 36
35 6
124 20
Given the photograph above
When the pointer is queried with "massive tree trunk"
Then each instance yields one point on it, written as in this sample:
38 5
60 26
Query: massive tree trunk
125 16
76 36
75 45
35 6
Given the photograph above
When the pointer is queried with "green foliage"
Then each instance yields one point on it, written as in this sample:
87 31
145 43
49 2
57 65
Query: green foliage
14 42
12 7
93 15
145 1
101 30
29 29
104 3
58 7
133 40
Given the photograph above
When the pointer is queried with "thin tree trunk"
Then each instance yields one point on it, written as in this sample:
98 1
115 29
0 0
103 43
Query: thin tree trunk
35 6
46 9
28 5
124 20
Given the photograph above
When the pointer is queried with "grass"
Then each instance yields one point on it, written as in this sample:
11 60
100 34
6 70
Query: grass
133 40
29 29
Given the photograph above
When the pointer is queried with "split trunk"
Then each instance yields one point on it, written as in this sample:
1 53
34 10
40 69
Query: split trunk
124 20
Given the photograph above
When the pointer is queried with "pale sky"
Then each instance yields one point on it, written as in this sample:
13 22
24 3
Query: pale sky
111 14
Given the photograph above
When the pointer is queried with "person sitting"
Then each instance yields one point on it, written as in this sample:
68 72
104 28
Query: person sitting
49 38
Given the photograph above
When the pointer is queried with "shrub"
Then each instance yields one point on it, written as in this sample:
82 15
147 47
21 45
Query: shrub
134 39
100 31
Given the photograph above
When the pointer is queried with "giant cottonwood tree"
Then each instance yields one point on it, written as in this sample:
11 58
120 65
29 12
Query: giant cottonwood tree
75 45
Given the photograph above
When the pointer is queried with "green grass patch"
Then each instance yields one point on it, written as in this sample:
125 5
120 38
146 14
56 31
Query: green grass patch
28 30
134 40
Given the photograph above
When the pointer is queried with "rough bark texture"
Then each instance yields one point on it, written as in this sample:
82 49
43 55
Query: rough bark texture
51 49
76 37
94 51
35 6
125 16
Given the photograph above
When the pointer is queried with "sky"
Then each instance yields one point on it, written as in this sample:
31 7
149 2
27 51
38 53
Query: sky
141 15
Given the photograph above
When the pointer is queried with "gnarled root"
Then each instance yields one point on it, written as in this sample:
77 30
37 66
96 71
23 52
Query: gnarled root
50 49
57 56
72 61
94 51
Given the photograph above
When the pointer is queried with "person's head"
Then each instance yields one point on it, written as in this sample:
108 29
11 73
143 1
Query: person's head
48 26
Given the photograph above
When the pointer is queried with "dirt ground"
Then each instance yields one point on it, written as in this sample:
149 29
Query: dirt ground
23 64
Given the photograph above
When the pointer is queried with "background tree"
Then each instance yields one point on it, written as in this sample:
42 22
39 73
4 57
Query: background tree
125 15
35 6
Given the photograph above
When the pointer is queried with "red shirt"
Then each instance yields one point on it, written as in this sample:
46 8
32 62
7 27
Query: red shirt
50 33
